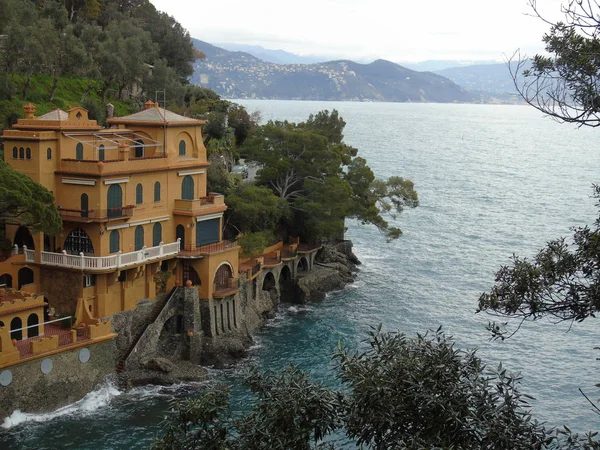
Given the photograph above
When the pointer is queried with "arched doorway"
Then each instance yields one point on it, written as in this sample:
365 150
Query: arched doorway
189 273
25 277
115 201
187 188
23 237
139 237
15 329
32 321
180 234
286 284
223 276
6 280
77 242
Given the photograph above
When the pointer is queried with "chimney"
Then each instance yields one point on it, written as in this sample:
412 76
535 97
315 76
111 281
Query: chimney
29 111
149 104
110 111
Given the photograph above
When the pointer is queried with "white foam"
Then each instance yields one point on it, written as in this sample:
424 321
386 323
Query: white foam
91 402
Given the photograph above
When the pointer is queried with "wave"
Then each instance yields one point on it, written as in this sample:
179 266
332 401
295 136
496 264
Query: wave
91 402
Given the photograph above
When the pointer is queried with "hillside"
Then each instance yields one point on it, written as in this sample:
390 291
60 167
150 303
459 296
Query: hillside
241 75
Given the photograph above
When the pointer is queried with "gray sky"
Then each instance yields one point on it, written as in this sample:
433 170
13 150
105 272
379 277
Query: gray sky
367 29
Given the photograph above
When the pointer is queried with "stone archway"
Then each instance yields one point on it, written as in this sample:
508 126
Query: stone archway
286 284
302 267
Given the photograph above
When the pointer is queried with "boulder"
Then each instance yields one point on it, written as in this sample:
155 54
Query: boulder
159 365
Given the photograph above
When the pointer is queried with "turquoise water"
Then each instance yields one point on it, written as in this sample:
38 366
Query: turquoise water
493 181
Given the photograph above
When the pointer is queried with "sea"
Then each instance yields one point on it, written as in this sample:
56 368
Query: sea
493 181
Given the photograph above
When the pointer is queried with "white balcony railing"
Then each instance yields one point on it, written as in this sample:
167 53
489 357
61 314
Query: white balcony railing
99 263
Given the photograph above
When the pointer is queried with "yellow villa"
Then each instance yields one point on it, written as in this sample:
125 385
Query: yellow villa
133 202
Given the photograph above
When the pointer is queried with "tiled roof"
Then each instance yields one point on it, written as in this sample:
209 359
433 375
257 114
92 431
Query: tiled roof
156 114
57 114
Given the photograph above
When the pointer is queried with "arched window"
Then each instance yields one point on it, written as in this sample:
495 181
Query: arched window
21 153
157 192
15 153
114 241
182 148
101 154
16 324
115 201
23 237
32 321
187 188
48 153
25 276
78 242
84 205
139 148
28 153
139 194
139 237
79 151
156 234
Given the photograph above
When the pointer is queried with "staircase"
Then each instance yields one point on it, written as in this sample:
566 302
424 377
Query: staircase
158 307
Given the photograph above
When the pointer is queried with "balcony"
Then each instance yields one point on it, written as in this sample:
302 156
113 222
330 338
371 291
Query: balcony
226 288
105 263
95 215
108 167
207 250
204 205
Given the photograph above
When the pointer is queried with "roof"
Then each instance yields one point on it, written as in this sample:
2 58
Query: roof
57 114
156 115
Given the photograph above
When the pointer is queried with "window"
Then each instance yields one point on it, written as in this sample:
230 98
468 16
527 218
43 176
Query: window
101 154
187 188
21 153
139 148
139 194
115 201
15 153
156 234
84 205
78 242
114 241
89 280
157 192
182 148
139 237
123 276
208 231
28 153
49 153
79 151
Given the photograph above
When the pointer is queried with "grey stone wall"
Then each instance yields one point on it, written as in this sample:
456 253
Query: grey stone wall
68 381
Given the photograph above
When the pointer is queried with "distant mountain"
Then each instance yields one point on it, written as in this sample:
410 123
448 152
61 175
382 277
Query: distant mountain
441 64
492 78
273 56
241 75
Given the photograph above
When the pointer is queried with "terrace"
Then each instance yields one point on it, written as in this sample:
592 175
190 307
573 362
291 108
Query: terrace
206 250
199 206
96 215
105 263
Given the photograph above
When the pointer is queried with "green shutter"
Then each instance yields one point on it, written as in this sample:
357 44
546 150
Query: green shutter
207 231
115 201
157 192
101 154
139 194
156 234
187 188
139 237
182 148
79 151
114 241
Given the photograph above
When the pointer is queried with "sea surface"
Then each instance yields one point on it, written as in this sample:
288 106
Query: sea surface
493 181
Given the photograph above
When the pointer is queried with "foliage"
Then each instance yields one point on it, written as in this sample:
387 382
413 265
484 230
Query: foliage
564 83
561 282
322 179
252 209
161 278
27 203
399 393
253 244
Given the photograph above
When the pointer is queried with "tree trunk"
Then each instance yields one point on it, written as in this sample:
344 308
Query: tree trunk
26 86
54 87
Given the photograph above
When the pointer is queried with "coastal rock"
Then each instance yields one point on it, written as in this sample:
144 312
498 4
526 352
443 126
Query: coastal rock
183 371
160 365
316 284
339 253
